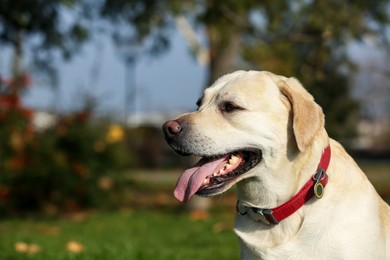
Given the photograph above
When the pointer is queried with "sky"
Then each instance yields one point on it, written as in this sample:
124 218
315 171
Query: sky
169 83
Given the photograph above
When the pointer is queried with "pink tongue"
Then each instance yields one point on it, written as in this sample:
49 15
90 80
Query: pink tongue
191 180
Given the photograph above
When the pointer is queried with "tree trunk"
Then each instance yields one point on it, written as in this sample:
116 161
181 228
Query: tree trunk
223 51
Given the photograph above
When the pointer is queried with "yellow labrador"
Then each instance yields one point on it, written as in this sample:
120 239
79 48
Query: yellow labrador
300 195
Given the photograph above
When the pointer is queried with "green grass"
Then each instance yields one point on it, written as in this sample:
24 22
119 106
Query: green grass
145 234
378 172
153 229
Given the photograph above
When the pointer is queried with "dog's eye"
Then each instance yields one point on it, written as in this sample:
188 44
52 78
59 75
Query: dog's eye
229 107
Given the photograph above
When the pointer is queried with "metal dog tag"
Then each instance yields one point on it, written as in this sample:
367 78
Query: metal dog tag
318 189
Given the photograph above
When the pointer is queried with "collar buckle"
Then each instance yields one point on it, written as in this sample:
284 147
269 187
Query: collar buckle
257 214
264 215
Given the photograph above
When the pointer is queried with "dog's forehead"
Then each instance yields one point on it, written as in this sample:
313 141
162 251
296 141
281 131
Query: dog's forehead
241 82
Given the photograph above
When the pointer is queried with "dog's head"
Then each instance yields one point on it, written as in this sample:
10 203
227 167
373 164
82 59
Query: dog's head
244 122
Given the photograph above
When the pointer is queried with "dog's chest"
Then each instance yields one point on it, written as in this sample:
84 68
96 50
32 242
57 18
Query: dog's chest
301 241
258 241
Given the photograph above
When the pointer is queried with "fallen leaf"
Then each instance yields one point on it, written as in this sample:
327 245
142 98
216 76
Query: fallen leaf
74 247
221 227
33 249
199 214
21 247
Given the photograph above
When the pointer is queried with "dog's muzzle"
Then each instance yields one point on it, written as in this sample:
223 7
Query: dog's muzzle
173 132
171 129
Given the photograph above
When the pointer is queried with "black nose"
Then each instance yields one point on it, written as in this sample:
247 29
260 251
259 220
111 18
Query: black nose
172 128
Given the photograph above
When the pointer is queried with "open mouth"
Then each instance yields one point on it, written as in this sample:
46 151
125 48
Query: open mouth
210 175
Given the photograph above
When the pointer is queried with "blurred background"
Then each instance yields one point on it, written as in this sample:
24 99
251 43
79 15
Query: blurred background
85 86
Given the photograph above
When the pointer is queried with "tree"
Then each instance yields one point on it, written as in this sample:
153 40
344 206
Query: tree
305 39
140 22
311 43
45 27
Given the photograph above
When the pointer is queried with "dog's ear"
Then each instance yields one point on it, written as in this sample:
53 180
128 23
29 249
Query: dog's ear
308 117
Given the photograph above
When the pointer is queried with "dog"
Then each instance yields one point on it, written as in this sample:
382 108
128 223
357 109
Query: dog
299 194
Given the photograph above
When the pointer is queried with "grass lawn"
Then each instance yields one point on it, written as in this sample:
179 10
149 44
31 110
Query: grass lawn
145 234
379 175
154 227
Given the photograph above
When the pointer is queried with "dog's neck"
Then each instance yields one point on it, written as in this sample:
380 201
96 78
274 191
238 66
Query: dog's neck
282 182
281 177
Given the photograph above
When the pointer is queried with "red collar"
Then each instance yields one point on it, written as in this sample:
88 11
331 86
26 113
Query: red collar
314 187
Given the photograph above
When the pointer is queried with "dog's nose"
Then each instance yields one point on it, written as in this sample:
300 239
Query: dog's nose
172 127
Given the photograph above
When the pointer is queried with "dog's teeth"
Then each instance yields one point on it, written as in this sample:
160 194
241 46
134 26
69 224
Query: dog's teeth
215 174
233 159
206 181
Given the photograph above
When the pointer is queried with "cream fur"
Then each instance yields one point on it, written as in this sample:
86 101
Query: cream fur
281 118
